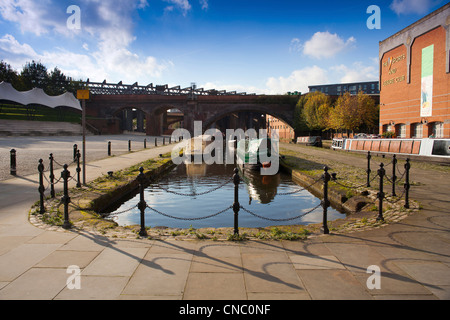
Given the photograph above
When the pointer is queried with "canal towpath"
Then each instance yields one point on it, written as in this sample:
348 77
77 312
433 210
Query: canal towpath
413 254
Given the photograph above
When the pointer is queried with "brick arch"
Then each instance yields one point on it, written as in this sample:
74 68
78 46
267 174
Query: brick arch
255 108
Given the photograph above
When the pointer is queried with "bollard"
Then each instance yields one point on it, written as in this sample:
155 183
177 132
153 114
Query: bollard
129 145
52 177
109 148
145 143
65 175
41 186
75 148
156 141
380 195
368 168
13 163
236 206
394 177
78 169
407 185
325 203
142 204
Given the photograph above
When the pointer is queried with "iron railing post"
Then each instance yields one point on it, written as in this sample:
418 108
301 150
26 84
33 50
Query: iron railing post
380 195
13 162
236 205
65 174
52 176
142 204
78 169
368 168
75 148
325 203
394 177
407 185
41 186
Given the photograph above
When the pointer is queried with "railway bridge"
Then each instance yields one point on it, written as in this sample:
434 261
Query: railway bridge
152 109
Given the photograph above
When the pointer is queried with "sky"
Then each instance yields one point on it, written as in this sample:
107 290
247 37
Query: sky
263 47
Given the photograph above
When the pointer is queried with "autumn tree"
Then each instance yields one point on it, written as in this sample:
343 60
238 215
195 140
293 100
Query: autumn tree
353 112
316 111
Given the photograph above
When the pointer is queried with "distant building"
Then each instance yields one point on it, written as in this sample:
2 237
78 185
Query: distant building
370 88
415 78
286 133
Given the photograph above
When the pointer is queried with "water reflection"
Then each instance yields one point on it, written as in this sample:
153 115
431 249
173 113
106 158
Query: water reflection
257 193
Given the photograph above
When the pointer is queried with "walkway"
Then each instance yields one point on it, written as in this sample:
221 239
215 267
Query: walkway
413 255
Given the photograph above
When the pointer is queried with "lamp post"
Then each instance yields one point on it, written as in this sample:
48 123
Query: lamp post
83 95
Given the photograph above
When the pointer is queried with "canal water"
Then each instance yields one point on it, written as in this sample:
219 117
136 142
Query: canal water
181 197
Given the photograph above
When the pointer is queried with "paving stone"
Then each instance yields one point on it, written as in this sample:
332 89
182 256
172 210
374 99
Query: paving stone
212 264
270 273
95 288
22 258
64 259
160 274
332 285
305 262
36 284
116 262
215 286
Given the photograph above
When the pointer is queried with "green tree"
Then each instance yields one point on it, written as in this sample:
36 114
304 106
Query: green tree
57 83
316 111
300 125
34 75
8 74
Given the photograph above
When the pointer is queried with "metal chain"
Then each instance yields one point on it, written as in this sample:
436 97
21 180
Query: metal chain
117 213
194 194
278 220
354 187
292 192
399 198
189 219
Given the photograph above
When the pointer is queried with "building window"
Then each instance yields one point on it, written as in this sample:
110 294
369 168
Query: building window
438 130
418 130
339 89
402 130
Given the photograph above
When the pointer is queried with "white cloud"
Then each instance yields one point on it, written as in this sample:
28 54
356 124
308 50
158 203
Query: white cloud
108 24
36 17
9 44
295 45
232 87
183 5
357 72
299 80
204 4
412 6
326 45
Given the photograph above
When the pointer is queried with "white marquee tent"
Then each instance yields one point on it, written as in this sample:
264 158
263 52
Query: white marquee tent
37 96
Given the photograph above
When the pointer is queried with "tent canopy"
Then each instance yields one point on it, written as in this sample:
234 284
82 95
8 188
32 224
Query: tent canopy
37 96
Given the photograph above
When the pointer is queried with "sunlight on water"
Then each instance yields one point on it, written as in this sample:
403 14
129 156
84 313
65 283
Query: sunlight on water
259 194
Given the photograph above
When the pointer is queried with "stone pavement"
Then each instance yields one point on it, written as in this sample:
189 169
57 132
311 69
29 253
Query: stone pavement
413 254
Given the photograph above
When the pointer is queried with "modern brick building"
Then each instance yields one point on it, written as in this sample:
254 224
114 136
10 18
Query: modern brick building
415 78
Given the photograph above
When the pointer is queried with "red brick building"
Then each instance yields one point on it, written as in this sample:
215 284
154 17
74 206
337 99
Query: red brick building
415 78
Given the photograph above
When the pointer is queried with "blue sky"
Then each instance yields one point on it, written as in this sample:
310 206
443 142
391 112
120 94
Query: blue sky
255 46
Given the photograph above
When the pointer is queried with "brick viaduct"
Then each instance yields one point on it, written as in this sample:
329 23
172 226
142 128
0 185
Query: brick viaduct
205 108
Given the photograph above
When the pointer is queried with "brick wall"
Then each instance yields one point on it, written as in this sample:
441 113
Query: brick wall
400 100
